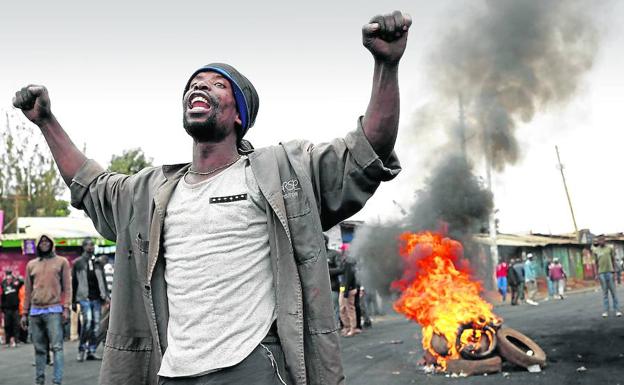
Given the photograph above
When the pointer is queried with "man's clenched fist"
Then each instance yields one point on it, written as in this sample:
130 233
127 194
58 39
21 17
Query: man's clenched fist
385 36
34 102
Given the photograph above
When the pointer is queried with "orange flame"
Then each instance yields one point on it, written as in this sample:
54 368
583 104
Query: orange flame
437 291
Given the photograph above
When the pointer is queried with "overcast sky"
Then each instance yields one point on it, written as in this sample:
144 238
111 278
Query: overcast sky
115 71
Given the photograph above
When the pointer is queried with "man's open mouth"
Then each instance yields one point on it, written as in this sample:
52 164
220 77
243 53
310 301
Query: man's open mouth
197 102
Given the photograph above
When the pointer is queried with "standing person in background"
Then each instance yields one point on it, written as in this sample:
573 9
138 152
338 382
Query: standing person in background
513 280
358 304
46 306
551 286
501 278
557 276
109 272
89 290
10 307
618 270
605 266
518 267
335 271
530 279
21 294
365 311
348 291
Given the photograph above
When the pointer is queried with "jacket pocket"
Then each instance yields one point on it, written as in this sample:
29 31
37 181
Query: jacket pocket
126 360
305 238
140 252
323 360
303 229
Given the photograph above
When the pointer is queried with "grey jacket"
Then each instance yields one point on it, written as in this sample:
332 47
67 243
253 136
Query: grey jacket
80 283
307 188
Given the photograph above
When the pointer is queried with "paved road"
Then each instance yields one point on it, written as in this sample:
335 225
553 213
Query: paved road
571 332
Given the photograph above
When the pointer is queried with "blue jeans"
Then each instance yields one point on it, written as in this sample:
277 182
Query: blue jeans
501 282
44 329
91 312
607 283
551 288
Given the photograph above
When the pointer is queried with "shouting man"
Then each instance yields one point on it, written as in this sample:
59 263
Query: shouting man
221 274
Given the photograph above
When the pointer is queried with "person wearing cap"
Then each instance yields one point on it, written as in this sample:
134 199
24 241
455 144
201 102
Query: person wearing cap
90 291
530 279
46 306
604 258
220 271
9 305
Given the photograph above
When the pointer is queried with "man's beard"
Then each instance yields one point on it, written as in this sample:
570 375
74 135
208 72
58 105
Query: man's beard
206 131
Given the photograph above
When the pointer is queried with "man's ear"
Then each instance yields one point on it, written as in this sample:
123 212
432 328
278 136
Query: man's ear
238 120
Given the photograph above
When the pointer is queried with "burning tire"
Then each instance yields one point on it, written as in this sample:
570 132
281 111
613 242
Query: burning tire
515 347
477 348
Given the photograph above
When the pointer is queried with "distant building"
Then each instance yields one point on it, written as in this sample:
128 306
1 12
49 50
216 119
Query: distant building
68 233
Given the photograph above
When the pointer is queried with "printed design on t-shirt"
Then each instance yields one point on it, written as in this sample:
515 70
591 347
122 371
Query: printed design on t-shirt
229 198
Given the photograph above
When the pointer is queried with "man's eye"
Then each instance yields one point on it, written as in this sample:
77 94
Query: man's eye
219 84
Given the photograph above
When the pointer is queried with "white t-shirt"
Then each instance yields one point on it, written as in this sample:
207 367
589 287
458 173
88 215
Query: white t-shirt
218 272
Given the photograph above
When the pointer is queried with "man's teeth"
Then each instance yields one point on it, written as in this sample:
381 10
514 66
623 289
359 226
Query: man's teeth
198 99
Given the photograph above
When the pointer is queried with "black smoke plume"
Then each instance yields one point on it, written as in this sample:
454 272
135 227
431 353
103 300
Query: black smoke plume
508 60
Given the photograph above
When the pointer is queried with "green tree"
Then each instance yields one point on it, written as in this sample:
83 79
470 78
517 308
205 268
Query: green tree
29 180
129 162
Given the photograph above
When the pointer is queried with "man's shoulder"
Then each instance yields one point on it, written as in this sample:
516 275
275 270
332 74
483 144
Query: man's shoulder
62 259
32 262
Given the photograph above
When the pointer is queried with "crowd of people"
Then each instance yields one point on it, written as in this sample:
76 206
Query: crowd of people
36 308
353 304
519 277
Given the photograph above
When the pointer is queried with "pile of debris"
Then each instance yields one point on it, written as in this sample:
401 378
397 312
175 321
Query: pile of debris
482 350
460 332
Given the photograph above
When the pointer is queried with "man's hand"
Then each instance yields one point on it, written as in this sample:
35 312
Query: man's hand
34 102
386 36
24 322
65 315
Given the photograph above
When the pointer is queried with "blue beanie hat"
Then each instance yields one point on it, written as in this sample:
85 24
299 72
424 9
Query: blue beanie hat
247 100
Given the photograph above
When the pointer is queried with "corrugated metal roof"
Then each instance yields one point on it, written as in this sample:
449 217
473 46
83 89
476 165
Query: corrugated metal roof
528 240
57 227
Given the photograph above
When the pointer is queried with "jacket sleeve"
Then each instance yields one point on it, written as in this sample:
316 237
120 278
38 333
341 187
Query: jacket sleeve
27 291
105 197
67 284
345 173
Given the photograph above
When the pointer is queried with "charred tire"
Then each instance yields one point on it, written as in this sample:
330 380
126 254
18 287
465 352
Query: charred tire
513 346
483 351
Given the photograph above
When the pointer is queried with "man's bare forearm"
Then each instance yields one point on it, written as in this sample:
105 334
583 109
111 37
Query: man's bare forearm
68 157
385 36
381 121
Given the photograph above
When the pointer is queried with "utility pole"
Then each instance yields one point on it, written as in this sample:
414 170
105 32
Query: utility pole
565 186
400 207
16 199
492 218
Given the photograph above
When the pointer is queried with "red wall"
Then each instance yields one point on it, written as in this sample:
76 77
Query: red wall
13 259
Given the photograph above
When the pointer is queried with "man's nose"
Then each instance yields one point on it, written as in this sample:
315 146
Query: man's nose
201 86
